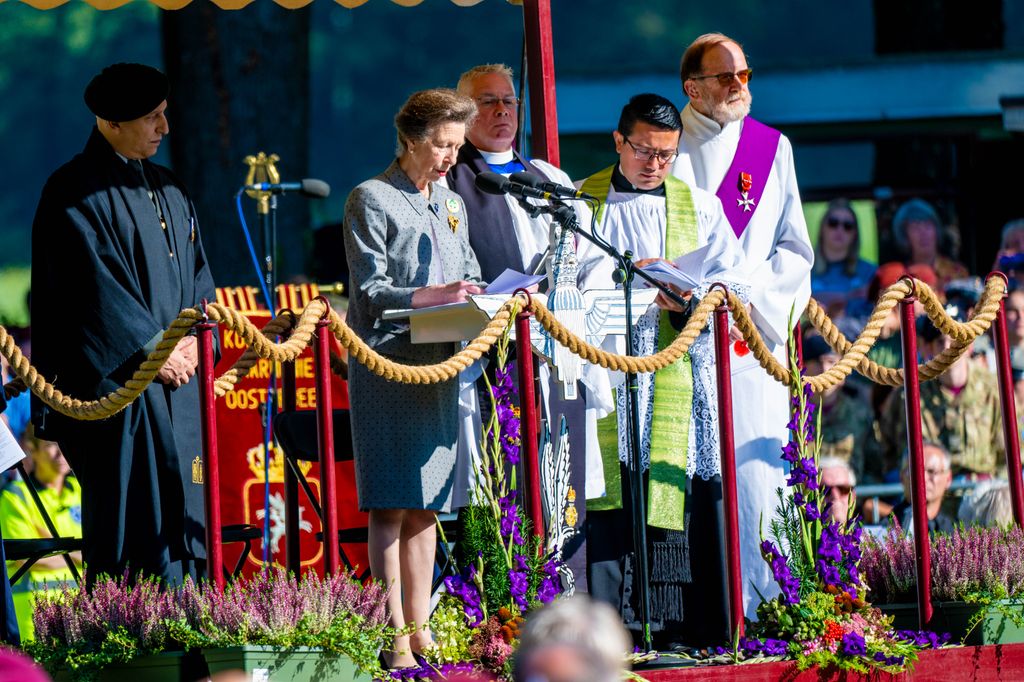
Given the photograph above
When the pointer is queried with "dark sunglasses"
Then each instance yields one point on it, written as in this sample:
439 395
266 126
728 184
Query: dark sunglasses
847 225
842 490
725 78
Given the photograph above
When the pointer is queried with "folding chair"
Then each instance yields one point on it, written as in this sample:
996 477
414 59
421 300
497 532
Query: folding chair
32 550
296 432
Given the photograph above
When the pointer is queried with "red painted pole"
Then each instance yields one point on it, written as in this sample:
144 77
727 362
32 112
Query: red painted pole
528 422
728 450
540 56
292 559
1011 434
211 463
912 393
325 438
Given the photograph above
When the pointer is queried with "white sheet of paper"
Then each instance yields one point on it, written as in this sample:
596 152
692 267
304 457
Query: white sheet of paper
510 280
687 273
10 451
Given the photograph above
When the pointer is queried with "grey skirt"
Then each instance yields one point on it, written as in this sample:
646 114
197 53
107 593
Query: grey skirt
404 436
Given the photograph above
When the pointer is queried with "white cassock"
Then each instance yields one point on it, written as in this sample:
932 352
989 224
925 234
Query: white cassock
778 257
595 272
636 222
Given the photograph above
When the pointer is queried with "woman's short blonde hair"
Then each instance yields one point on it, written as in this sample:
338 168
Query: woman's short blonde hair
425 110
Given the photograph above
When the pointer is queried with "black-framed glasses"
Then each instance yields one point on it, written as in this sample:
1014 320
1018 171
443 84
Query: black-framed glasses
647 154
725 78
490 101
835 222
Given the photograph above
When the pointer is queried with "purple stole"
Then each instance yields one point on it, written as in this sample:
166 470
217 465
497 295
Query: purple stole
744 182
492 235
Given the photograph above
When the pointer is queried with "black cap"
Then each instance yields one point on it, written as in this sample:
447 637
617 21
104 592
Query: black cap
125 92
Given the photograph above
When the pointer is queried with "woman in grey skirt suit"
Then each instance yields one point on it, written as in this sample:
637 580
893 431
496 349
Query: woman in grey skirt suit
407 244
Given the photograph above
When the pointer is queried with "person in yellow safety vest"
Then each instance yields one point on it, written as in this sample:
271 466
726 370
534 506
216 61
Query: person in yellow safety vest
20 519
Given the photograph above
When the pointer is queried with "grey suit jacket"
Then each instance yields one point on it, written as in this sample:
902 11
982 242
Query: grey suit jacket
393 239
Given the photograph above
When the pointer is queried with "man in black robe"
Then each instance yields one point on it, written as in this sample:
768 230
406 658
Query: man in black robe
116 254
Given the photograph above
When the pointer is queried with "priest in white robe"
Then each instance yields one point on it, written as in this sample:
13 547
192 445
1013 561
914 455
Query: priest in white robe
503 235
658 217
750 167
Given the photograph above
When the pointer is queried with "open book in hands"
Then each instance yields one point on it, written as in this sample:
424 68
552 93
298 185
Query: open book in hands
685 272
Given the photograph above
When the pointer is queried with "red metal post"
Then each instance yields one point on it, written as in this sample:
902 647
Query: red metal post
528 423
540 57
292 559
211 463
728 450
1011 434
912 393
325 436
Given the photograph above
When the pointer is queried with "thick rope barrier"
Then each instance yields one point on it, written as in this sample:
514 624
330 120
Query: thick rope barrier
299 329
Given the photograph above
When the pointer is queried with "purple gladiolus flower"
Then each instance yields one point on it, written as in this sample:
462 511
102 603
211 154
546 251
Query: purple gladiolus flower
510 525
519 585
775 647
788 583
462 587
551 585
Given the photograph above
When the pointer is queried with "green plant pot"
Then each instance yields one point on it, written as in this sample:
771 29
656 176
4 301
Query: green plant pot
164 667
277 664
955 616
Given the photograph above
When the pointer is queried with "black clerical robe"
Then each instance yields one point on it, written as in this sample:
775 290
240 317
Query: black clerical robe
116 254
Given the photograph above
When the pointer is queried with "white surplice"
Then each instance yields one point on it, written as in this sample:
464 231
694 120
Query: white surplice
636 222
779 257
534 236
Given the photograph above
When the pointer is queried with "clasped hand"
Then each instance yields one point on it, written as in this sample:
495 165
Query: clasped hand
181 363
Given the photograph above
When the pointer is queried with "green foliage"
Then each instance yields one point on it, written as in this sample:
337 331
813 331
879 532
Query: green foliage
477 536
452 636
84 659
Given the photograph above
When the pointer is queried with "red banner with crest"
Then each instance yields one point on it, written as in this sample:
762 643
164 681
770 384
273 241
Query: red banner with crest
240 436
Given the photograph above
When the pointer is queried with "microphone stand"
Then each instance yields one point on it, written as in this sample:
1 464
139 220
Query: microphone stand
266 207
565 216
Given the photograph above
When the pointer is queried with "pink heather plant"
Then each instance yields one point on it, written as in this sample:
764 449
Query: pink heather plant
116 621
967 563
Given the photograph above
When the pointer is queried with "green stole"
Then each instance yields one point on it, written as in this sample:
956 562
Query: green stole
673 385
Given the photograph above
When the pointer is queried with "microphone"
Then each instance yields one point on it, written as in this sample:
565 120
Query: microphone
493 183
310 187
532 180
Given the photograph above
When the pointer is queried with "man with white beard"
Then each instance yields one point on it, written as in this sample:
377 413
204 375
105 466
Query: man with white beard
750 167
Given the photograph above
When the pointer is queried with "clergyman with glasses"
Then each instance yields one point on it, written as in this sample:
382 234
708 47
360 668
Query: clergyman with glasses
750 167
656 216
504 235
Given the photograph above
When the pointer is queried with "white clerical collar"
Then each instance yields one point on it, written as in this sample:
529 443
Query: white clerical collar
702 127
497 157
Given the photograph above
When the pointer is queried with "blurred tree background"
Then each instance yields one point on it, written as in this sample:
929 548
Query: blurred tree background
320 86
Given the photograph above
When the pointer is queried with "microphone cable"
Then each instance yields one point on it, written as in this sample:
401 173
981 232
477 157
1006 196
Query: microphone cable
252 253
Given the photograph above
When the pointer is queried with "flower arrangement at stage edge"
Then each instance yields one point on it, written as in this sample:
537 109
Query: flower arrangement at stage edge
117 621
976 565
821 618
504 575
